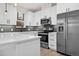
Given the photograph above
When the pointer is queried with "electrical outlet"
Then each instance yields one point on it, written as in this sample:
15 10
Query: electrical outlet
2 29
11 29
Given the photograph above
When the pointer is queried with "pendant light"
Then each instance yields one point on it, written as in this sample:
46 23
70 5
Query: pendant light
5 8
15 4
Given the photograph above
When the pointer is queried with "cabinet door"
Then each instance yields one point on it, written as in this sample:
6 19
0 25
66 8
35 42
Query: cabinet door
61 7
2 13
53 16
28 48
8 50
37 18
73 6
11 15
26 19
52 41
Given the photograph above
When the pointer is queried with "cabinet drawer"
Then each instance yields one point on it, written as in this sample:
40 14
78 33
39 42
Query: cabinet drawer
51 39
53 47
52 36
52 43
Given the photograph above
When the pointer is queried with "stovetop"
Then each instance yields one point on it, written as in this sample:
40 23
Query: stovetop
46 31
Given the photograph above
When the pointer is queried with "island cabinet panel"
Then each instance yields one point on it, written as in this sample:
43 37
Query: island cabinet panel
8 50
21 48
27 48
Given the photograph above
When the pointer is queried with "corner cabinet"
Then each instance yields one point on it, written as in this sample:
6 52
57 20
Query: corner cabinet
64 7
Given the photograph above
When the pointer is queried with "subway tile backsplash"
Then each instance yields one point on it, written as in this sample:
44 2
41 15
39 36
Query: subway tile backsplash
7 28
12 28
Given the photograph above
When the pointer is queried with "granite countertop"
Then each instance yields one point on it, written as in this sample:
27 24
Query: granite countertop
13 37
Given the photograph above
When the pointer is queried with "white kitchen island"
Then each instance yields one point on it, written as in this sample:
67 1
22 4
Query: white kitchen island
17 44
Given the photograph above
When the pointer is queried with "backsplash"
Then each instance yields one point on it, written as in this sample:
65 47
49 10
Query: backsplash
12 28
7 28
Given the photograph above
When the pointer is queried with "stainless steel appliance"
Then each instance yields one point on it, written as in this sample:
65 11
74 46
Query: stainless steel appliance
43 39
68 33
45 21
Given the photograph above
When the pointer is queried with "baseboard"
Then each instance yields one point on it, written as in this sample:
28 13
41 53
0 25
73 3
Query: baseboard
63 53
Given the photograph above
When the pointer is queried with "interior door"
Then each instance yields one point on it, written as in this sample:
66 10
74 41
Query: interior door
72 42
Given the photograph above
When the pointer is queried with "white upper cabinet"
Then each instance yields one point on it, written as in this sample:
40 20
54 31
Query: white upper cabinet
11 15
49 12
73 6
29 19
63 7
26 22
53 15
2 10
37 19
34 19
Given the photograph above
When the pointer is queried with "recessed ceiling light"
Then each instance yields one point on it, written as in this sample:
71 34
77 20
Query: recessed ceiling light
15 4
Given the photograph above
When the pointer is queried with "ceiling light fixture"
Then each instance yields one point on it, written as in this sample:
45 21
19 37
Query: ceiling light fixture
15 4
5 8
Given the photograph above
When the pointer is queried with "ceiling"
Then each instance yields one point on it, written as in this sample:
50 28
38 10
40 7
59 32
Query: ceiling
34 6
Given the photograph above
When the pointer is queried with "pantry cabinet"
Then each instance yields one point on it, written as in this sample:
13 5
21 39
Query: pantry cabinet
66 7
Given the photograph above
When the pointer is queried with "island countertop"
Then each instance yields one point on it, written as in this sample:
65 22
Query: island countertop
13 37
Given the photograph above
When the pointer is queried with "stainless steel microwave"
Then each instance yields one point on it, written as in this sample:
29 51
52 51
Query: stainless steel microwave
45 21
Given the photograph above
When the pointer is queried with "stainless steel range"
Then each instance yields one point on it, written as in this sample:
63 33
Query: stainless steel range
43 39
47 27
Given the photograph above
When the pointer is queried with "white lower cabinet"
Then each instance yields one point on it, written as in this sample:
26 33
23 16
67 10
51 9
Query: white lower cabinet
7 50
31 48
21 48
52 41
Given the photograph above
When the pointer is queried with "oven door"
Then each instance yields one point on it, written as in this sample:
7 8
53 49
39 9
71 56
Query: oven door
44 37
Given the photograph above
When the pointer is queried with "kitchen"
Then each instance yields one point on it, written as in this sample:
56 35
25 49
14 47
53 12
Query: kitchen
39 29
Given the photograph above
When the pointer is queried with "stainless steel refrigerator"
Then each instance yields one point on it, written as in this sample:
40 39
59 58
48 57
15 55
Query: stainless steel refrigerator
68 33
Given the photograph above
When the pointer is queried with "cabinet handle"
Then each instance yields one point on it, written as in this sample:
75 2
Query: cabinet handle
68 9
52 39
52 45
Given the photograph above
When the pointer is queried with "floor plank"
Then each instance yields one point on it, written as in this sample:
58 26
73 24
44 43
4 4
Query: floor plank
49 52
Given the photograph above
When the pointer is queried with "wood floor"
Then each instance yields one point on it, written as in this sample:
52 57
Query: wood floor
49 52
